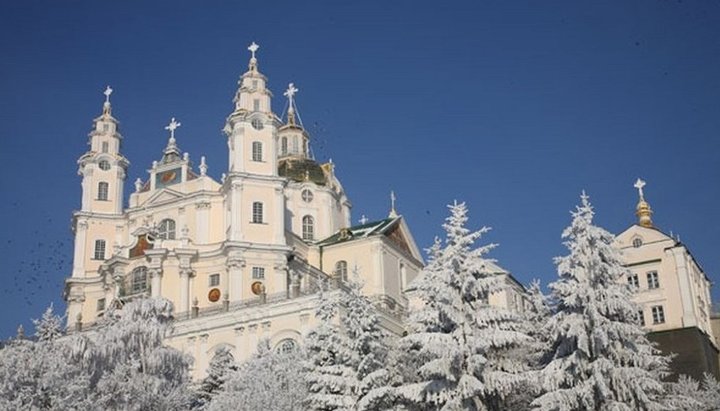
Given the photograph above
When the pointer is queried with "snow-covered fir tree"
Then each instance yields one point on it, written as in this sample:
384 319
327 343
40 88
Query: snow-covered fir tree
600 358
130 367
221 366
459 347
42 374
49 327
346 352
687 394
269 381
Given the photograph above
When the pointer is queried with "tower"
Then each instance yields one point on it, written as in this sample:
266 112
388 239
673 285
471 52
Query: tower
103 167
254 191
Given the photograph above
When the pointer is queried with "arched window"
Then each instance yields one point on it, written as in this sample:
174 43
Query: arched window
286 346
257 212
104 164
166 230
341 269
308 228
99 250
283 146
256 151
138 280
102 190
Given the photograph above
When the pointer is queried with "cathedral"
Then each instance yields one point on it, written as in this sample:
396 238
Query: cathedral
241 258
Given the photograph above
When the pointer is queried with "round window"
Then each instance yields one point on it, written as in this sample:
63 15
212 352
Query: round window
307 196
637 242
257 124
104 165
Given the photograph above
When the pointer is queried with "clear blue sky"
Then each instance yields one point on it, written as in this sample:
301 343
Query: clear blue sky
511 106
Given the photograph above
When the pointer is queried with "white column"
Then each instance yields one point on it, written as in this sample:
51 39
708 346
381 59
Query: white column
184 290
87 187
202 218
235 272
155 282
239 348
80 245
119 194
253 340
236 213
203 359
279 221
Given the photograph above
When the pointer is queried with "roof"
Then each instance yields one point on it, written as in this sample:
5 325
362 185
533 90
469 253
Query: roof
360 231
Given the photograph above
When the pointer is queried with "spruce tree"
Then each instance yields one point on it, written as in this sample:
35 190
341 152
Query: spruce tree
460 346
600 358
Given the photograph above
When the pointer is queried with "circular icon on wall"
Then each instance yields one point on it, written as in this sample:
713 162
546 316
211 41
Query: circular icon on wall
214 295
257 288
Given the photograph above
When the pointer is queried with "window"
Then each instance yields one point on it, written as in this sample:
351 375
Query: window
104 165
256 151
341 269
641 317
254 84
166 230
102 191
258 273
653 280
307 196
308 228
106 128
283 146
256 104
637 242
99 250
214 280
138 281
658 314
257 212
257 124
105 147
101 304
286 346
633 280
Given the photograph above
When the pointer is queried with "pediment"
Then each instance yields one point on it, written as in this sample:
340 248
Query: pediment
399 234
163 196
648 235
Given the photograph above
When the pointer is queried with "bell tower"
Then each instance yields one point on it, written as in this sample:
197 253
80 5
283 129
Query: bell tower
254 191
103 168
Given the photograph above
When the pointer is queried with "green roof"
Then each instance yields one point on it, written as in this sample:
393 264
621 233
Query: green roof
359 231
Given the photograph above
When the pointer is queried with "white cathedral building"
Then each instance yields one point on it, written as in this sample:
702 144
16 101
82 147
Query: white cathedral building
241 258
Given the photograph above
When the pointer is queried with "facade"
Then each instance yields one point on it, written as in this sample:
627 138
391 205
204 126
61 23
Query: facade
673 291
241 258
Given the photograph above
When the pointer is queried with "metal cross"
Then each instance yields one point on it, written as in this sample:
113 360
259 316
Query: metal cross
172 127
363 219
639 184
107 93
392 200
290 93
253 48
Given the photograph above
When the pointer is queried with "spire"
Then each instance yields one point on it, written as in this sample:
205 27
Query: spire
253 60
290 94
107 109
393 212
643 210
172 152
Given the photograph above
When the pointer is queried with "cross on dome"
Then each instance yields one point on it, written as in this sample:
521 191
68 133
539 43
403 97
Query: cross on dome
172 127
639 184
107 93
290 93
253 48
